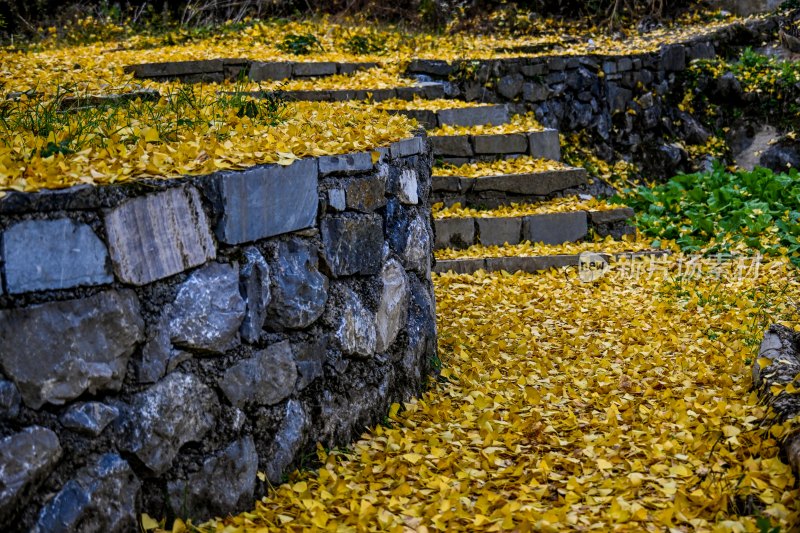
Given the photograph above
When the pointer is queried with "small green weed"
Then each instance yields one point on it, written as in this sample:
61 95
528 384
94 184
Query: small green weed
300 44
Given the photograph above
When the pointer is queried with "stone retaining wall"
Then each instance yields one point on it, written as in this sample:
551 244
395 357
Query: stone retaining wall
629 104
162 342
218 70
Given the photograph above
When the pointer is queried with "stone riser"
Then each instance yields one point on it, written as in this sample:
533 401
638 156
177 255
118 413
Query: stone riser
459 149
532 264
494 115
219 70
425 91
537 184
548 228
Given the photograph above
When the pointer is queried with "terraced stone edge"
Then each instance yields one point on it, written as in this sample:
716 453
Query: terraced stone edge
218 70
163 341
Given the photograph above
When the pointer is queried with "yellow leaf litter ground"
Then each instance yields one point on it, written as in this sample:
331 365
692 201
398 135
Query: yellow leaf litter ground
620 405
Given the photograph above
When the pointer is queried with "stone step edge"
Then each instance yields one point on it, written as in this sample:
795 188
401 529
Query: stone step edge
424 91
232 68
550 228
510 183
544 144
529 264
490 114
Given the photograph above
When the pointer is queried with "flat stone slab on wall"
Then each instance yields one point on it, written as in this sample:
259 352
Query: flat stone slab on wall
216 70
162 342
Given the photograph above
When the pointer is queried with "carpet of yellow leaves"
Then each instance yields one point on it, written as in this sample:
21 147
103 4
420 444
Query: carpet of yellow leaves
518 124
516 165
527 249
430 105
556 205
618 405
226 142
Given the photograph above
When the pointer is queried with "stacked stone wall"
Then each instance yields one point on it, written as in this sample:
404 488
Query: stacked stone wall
164 341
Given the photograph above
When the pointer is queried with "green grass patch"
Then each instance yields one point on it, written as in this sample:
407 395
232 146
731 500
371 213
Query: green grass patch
719 211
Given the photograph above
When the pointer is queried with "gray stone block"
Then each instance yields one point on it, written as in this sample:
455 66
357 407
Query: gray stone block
299 291
431 67
101 497
224 484
702 51
352 244
89 418
474 116
53 254
288 441
345 164
393 304
158 235
254 284
265 201
176 69
536 184
365 194
355 332
534 70
460 266
510 86
555 228
408 187
10 400
351 68
407 147
270 70
177 410
56 351
452 145
446 184
309 357
337 199
510 143
26 459
310 95
427 119
313 69
266 378
545 144
499 231
417 252
208 310
530 264
454 232
611 215
673 58
535 92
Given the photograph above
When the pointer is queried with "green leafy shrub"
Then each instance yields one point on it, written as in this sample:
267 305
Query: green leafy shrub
363 45
720 209
299 44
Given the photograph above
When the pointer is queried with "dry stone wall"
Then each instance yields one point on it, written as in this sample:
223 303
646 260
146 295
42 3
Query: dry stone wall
627 104
162 342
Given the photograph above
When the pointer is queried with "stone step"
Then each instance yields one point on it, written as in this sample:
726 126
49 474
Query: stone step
491 115
461 149
493 191
547 228
425 91
530 264
217 70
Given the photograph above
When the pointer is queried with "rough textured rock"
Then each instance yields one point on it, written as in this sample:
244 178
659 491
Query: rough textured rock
101 498
266 378
288 441
53 254
254 284
408 191
225 484
172 235
365 194
345 164
299 290
265 201
10 399
208 310
152 362
393 306
355 325
421 351
26 458
416 255
89 418
176 410
352 244
782 156
71 346
309 358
